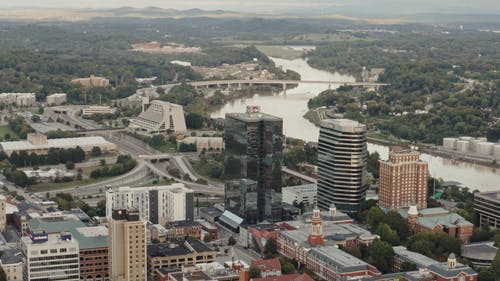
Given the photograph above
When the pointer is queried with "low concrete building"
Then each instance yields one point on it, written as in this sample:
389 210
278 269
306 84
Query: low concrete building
487 205
183 253
306 194
92 81
18 99
480 254
56 99
91 110
40 145
203 143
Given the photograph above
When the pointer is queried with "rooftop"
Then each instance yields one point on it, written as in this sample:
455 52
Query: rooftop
253 116
53 239
343 261
287 277
491 196
177 249
302 188
432 217
11 256
418 259
190 276
267 265
343 125
479 251
55 143
88 236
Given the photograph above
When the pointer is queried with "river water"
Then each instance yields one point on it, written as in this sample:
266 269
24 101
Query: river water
292 105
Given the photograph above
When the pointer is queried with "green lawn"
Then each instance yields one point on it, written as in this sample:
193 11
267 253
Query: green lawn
204 168
279 52
7 130
169 147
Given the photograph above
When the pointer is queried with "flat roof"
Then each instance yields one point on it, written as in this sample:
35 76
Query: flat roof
342 260
413 257
88 236
55 143
491 196
342 124
253 116
479 251
312 187
177 248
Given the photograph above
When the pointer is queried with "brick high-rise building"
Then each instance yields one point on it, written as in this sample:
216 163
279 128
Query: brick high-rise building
403 180
127 246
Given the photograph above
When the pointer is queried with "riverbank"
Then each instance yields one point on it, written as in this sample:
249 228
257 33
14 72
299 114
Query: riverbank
462 158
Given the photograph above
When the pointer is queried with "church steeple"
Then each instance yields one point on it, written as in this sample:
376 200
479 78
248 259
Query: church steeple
316 235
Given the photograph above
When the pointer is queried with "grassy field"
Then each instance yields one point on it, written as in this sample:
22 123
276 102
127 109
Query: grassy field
203 169
279 52
7 130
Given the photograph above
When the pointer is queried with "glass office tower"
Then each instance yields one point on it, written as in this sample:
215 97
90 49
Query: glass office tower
254 152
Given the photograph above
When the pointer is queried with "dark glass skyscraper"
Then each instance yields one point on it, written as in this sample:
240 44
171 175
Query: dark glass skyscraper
254 152
342 160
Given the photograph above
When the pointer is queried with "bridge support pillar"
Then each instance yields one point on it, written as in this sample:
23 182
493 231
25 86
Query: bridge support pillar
284 88
329 86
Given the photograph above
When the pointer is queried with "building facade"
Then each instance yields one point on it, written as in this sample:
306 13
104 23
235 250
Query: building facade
18 99
183 253
3 212
156 204
159 117
51 257
342 160
306 195
40 145
254 152
91 110
403 180
92 81
487 205
56 99
127 246
12 264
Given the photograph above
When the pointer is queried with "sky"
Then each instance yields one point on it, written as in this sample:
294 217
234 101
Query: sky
285 6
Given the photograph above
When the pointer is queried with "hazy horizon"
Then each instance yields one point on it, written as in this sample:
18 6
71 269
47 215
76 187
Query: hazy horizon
373 7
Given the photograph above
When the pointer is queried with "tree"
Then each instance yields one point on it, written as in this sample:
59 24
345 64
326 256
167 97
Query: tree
388 234
381 255
231 241
254 272
486 275
194 121
374 217
271 248
96 151
398 223
207 238
373 164
3 276
70 165
495 265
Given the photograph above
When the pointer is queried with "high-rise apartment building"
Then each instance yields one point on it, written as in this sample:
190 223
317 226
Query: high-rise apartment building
403 180
51 257
127 246
342 159
254 152
156 204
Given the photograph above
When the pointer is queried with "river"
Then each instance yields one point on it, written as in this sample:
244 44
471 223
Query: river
292 105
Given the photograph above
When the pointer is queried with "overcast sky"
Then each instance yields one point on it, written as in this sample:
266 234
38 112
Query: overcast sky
283 6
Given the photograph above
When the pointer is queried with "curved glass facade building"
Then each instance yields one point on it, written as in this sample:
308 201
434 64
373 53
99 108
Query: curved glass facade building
342 160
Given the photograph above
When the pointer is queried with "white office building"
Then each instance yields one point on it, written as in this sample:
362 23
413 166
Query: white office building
159 116
156 204
306 194
51 257
56 99
18 99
